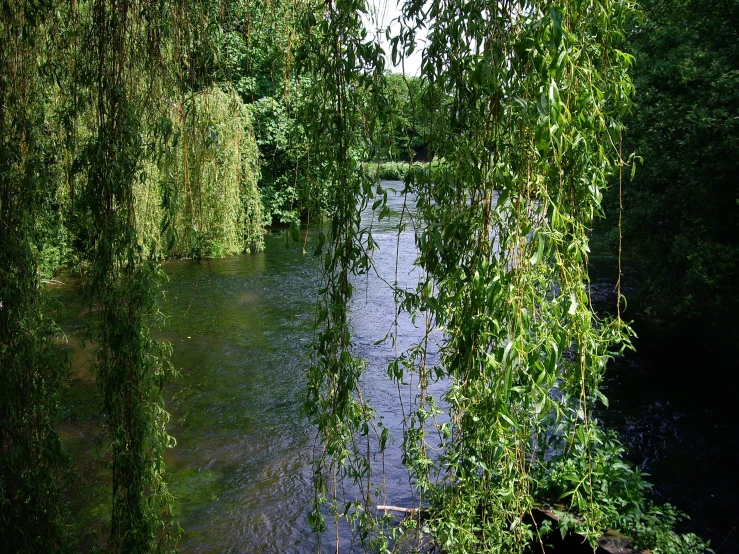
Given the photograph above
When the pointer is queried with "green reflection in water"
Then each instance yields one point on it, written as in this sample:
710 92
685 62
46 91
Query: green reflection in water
239 329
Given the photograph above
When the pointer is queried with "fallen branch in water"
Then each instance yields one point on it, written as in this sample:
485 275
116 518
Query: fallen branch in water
403 510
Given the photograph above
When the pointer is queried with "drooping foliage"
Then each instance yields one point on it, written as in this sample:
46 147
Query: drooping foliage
88 97
32 460
209 180
128 362
133 142
181 107
524 102
338 55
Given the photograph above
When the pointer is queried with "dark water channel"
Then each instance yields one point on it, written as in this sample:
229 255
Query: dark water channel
684 436
674 407
240 330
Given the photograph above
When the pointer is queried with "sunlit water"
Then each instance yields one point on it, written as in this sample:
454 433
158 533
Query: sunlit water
240 330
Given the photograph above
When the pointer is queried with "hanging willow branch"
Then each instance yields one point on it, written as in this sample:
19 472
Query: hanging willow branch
86 99
33 517
523 101
129 364
336 57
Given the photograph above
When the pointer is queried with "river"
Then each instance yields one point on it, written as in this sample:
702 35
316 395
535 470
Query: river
240 330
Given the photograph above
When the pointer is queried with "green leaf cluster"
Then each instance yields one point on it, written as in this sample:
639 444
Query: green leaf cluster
200 197
34 467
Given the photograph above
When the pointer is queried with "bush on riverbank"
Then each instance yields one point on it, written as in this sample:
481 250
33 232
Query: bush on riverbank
394 171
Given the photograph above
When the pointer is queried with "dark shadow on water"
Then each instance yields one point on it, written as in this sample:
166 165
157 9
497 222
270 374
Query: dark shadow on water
673 404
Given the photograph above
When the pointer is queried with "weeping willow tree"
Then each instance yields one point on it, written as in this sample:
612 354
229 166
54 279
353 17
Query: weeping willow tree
166 156
128 362
523 101
205 184
32 460
82 87
86 96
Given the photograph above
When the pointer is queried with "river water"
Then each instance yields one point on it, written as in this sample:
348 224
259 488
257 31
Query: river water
240 330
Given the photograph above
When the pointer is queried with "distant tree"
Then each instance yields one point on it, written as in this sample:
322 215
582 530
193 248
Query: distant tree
406 133
258 45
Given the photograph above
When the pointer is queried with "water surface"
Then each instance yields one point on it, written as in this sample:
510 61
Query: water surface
240 330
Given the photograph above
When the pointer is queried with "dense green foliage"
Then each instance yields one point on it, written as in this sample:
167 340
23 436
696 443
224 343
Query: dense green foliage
196 185
402 118
258 42
32 460
132 130
209 179
524 103
128 362
101 169
681 211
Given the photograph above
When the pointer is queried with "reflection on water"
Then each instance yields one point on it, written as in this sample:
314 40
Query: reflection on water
240 469
240 330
